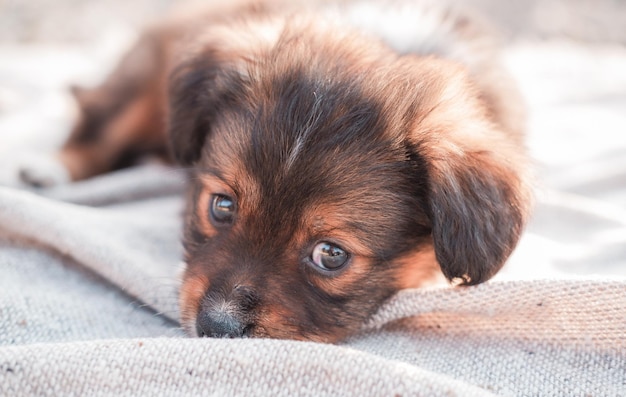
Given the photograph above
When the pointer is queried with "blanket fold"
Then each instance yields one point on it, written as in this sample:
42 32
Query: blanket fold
175 367
136 253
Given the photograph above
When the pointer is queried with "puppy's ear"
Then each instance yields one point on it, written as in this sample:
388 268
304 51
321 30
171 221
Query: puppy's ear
478 206
192 98
209 79
478 197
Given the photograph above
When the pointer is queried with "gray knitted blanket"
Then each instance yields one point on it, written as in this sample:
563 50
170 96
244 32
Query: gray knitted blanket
89 274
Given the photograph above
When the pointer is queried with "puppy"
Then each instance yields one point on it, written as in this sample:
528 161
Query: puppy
338 153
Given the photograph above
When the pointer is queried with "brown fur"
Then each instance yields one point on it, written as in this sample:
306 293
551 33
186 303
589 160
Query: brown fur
318 133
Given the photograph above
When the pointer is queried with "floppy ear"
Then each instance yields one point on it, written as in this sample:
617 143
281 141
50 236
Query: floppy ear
192 101
211 77
478 196
199 87
478 205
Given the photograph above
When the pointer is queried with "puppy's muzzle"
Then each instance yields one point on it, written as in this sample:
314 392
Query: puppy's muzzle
231 316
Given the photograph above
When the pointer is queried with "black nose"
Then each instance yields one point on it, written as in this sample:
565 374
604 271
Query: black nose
219 325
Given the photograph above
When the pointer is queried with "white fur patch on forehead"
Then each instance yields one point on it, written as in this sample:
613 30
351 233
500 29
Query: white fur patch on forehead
304 132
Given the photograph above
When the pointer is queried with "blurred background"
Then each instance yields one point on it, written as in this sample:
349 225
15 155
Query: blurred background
83 21
569 57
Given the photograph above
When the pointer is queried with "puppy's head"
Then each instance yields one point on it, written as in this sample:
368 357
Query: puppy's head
326 179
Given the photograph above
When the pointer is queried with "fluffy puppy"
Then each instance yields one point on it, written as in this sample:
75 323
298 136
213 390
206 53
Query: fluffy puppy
338 153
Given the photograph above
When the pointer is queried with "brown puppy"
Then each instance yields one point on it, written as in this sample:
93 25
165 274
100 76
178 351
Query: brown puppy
339 153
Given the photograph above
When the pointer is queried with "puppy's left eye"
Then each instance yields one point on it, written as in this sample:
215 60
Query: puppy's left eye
328 256
222 209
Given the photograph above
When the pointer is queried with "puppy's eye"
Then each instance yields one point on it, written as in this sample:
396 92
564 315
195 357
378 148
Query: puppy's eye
328 256
222 209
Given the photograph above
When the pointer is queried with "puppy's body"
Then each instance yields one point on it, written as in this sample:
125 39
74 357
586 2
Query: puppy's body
339 153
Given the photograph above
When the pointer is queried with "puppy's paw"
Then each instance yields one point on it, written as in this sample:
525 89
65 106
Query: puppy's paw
40 170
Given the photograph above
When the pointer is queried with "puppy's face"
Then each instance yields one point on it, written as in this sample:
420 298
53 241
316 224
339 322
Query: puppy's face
300 223
318 193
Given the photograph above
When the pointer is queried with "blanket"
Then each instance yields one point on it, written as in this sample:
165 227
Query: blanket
89 271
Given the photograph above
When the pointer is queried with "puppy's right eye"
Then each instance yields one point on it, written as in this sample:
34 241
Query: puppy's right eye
328 256
222 209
